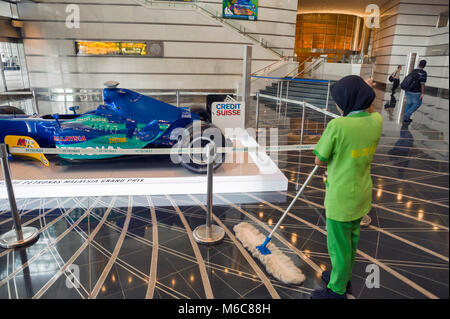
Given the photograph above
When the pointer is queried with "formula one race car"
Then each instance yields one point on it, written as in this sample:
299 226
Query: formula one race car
126 120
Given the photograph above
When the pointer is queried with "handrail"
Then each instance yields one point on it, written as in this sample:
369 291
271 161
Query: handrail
299 67
312 66
162 93
214 15
268 67
309 105
290 79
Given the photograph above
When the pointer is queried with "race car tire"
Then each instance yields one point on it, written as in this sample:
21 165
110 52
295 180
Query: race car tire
197 163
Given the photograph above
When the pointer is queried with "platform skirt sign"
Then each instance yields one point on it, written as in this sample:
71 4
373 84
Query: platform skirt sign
240 9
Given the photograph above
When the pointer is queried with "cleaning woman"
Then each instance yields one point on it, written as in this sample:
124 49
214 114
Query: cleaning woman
346 148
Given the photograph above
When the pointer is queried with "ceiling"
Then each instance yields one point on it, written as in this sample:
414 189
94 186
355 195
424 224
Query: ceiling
354 7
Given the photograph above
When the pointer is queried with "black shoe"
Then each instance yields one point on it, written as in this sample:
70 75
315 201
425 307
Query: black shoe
326 279
326 293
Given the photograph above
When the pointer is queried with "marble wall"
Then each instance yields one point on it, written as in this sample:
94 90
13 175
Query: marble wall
410 26
200 53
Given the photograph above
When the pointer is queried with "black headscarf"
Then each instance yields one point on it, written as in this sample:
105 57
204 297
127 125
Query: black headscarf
352 93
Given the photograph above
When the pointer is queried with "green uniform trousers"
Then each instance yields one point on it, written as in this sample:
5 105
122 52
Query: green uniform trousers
342 242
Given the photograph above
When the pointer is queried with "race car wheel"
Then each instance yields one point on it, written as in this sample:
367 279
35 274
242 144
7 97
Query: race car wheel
199 138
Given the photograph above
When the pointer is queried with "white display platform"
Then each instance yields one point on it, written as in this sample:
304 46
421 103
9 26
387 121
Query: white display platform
149 175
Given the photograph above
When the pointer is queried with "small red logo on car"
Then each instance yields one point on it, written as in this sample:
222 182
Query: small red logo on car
70 138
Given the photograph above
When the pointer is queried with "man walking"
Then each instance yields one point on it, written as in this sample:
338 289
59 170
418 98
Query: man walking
395 77
414 86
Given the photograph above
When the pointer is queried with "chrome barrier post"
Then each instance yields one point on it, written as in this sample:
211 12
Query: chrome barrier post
326 106
281 96
278 96
287 97
301 143
178 98
247 81
19 236
209 234
303 124
257 111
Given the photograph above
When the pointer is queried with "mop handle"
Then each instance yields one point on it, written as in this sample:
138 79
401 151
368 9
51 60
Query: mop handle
294 200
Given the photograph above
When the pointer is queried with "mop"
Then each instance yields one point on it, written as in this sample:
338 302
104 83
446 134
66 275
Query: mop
277 263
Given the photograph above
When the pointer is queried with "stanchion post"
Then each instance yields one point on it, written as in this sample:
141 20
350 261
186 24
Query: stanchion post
287 97
281 96
209 234
10 191
326 106
209 204
303 124
257 111
19 236
278 96
328 95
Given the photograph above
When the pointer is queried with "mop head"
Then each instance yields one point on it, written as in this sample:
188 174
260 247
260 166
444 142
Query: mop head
277 264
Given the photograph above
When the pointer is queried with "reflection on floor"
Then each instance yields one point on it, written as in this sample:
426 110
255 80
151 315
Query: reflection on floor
142 246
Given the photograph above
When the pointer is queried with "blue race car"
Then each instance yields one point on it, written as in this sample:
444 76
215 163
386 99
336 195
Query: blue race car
126 120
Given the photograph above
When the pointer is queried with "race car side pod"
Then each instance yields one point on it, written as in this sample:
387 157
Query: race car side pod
19 236
209 234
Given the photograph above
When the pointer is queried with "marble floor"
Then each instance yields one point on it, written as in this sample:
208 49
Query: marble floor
143 246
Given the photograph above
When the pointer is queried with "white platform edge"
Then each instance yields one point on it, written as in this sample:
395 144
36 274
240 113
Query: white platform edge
271 179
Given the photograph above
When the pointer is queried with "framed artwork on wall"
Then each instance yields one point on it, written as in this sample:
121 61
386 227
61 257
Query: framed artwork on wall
240 9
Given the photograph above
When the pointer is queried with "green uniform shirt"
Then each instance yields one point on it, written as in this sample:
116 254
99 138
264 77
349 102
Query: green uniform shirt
348 145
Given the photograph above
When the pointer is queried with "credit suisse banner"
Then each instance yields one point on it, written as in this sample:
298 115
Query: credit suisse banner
228 115
240 9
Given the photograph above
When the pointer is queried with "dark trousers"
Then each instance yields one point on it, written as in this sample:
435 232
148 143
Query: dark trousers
395 85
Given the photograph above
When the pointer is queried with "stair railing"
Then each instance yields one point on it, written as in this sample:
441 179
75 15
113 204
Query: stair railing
265 70
299 66
282 95
310 68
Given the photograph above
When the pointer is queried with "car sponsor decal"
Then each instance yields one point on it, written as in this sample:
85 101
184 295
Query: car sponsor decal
70 138
186 114
115 140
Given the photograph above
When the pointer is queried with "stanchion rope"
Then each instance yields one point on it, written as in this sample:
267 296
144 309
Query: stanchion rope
156 151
